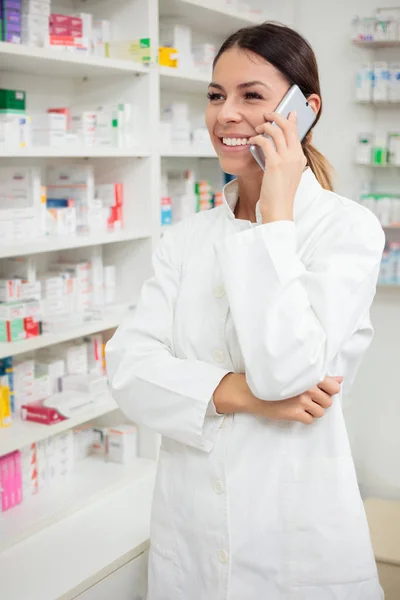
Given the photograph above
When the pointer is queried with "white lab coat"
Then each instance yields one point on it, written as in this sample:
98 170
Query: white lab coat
246 508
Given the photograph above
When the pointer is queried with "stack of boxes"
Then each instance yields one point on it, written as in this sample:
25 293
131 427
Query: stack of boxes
10 21
67 294
35 22
49 129
176 124
182 196
15 125
74 183
204 193
110 196
105 126
38 466
176 48
20 203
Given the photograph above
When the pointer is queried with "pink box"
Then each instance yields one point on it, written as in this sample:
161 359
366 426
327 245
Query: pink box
10 480
18 476
57 19
5 483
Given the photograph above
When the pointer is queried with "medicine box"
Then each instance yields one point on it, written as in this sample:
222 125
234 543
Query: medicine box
10 290
138 50
12 100
122 444
5 406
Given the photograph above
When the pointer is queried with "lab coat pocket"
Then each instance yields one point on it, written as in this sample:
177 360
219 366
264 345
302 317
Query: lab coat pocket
162 529
329 541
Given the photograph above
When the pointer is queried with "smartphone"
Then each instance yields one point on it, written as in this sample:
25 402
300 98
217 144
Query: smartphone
294 99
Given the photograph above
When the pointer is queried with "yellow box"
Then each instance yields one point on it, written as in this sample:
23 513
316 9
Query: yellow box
167 57
5 407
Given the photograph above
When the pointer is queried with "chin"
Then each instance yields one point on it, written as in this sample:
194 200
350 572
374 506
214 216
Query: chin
239 166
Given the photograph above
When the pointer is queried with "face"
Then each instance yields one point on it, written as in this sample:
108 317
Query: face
244 88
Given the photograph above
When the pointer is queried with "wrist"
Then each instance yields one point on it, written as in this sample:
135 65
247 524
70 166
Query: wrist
271 216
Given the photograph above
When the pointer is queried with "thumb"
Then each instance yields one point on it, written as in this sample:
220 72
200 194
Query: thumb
338 378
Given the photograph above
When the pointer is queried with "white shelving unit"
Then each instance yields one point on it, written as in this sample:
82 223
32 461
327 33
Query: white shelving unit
50 77
110 320
24 433
56 244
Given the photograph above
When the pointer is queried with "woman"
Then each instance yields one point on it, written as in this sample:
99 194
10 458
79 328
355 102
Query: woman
250 305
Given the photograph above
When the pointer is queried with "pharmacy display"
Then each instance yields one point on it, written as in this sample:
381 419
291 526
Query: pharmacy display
382 26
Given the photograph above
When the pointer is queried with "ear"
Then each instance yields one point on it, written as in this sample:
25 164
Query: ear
315 102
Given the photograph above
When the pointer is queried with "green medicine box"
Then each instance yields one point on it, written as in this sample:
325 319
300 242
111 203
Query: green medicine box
12 331
12 101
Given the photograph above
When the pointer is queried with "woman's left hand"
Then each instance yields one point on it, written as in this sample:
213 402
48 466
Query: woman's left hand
284 165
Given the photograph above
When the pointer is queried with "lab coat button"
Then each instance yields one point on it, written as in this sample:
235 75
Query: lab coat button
219 291
223 557
218 487
219 356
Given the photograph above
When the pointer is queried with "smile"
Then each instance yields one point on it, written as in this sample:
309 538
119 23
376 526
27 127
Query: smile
231 141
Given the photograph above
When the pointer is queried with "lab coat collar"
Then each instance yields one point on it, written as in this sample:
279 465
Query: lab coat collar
307 191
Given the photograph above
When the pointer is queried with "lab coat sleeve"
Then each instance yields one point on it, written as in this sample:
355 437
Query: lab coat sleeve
293 319
170 395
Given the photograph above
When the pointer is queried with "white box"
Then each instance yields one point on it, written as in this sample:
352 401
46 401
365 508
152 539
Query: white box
35 22
50 121
110 275
101 36
95 385
36 7
381 86
122 444
10 134
20 192
10 290
365 76
54 139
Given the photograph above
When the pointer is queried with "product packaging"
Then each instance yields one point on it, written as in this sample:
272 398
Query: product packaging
122 444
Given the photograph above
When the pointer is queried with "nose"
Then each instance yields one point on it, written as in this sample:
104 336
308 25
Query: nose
228 113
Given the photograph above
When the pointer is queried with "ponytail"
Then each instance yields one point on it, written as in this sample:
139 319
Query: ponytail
318 164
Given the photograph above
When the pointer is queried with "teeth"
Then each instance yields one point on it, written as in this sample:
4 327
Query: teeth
235 141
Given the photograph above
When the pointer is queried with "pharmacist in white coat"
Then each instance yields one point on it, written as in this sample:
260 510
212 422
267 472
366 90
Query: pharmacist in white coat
236 351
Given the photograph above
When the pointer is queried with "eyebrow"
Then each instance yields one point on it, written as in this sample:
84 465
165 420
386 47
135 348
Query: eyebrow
241 86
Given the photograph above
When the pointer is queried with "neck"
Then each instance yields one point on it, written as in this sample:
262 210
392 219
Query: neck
249 194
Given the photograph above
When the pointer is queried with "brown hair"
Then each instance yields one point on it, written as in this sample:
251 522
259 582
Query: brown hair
293 56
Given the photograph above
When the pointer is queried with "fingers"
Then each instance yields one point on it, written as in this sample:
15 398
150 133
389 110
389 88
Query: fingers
267 146
288 127
276 134
331 385
320 397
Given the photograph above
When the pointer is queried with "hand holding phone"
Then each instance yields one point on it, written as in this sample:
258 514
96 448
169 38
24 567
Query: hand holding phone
294 100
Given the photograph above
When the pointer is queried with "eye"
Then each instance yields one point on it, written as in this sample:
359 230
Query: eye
212 96
253 96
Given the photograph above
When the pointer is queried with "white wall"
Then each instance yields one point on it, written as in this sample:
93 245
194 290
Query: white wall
372 414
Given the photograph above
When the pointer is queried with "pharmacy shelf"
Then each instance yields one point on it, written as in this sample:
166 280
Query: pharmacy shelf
377 44
92 479
380 103
110 321
215 16
52 244
24 433
55 63
74 152
111 529
372 166
188 152
184 80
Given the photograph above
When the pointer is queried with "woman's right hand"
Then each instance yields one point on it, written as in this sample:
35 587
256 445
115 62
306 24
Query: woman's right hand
233 395
306 407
